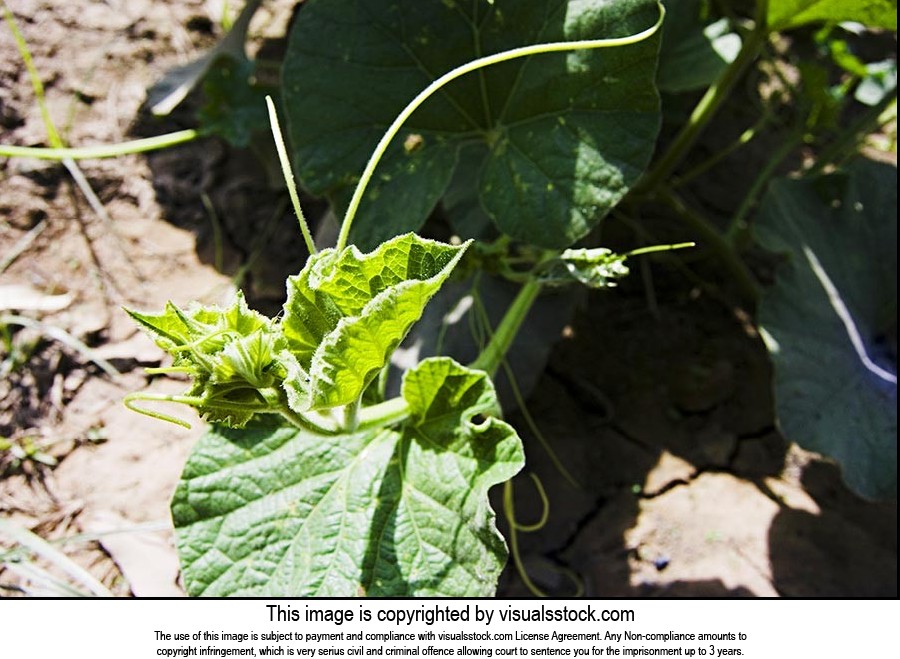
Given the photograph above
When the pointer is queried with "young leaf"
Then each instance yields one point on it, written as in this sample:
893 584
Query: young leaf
566 134
835 296
248 359
275 511
595 268
229 354
346 313
786 14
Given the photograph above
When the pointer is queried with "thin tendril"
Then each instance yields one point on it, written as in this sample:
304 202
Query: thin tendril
510 511
142 395
545 509
535 430
288 174
483 320
102 150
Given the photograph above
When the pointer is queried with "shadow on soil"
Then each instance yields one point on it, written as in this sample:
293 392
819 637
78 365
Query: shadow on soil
664 417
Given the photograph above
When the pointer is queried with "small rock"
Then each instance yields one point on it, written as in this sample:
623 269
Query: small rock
661 563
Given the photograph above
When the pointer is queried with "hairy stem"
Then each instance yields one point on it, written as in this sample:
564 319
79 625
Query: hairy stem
383 414
277 402
303 422
351 416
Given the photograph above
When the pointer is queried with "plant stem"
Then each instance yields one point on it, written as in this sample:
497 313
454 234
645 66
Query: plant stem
492 355
738 223
52 134
706 109
303 422
277 402
36 84
383 414
716 158
102 151
351 416
462 70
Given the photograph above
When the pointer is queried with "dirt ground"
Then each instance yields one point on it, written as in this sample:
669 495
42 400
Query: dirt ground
659 407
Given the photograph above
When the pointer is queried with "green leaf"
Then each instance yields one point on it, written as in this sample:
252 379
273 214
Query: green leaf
694 51
274 511
786 14
566 134
825 320
195 336
229 353
168 329
595 268
346 313
248 359
461 203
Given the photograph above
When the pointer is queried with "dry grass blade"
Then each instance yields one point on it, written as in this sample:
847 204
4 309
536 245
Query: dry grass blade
21 245
41 548
63 337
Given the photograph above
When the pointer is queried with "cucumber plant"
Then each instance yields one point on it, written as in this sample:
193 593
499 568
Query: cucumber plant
313 479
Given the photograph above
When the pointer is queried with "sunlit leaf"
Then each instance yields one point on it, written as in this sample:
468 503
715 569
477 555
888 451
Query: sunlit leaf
346 313
273 511
785 14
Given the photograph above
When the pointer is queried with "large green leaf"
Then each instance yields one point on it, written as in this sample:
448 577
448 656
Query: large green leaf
274 511
786 14
567 134
834 301
346 313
